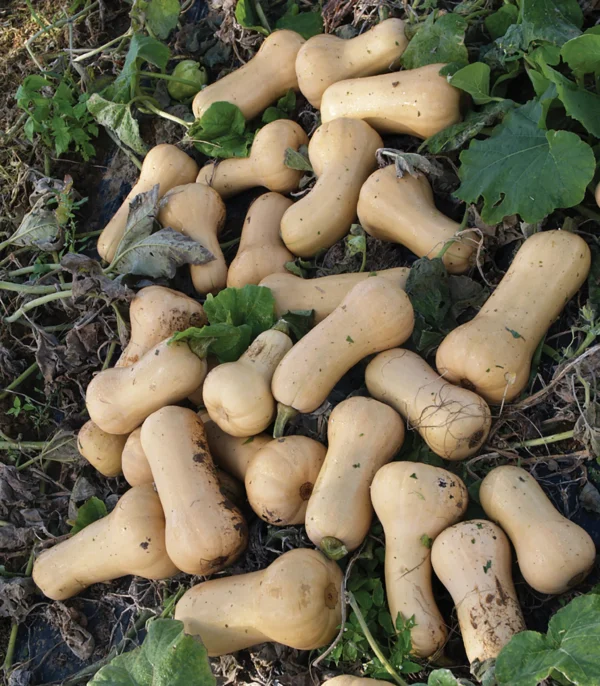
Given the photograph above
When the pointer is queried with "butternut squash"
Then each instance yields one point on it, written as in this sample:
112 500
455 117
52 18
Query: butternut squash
554 554
197 211
265 166
345 680
453 421
473 561
402 210
118 400
326 59
102 450
492 353
230 453
130 540
260 82
165 165
324 293
375 315
415 502
418 102
238 394
136 469
197 398
295 601
281 477
363 435
597 195
204 532
261 251
155 314
342 153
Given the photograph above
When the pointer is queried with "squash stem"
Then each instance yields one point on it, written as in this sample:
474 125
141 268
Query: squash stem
283 326
444 250
373 643
284 414
333 548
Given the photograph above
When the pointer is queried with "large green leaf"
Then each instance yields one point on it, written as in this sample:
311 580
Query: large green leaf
581 104
441 40
221 132
522 169
555 21
582 54
570 648
168 657
252 305
474 79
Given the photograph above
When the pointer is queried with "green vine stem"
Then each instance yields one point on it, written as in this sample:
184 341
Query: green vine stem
32 304
30 290
22 445
165 115
544 440
101 48
373 643
19 380
167 77
34 268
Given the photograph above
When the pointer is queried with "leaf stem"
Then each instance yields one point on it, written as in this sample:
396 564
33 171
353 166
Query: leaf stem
60 295
22 445
544 440
95 51
586 212
19 380
34 268
166 115
31 290
10 648
372 642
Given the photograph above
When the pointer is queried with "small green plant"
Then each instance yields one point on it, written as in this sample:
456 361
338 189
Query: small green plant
19 406
57 114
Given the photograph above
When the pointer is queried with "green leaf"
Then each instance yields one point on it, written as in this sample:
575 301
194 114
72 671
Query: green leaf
162 16
251 305
474 79
227 342
506 168
497 23
89 512
246 16
299 321
579 103
441 40
167 657
141 49
428 288
117 118
455 136
38 228
569 648
221 132
307 24
582 54
285 107
298 159
555 21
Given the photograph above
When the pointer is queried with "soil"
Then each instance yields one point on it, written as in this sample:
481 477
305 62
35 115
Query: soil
57 640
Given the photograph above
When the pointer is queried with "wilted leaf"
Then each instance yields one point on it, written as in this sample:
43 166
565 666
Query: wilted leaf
118 118
89 279
409 162
298 159
39 229
160 255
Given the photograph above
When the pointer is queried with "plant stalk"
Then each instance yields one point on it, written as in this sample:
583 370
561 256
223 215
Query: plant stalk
544 440
19 380
60 295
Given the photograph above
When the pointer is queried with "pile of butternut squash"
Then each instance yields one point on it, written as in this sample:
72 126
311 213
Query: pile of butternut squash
196 477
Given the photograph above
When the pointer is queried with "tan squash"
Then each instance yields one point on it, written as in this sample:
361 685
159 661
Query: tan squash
261 81
130 540
473 561
375 315
261 251
325 59
136 469
453 421
265 166
597 195
238 394
197 211
205 532
102 450
415 502
402 210
165 165
342 153
345 680
197 398
295 601
155 314
363 435
322 294
118 400
418 102
492 353
554 554
281 477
